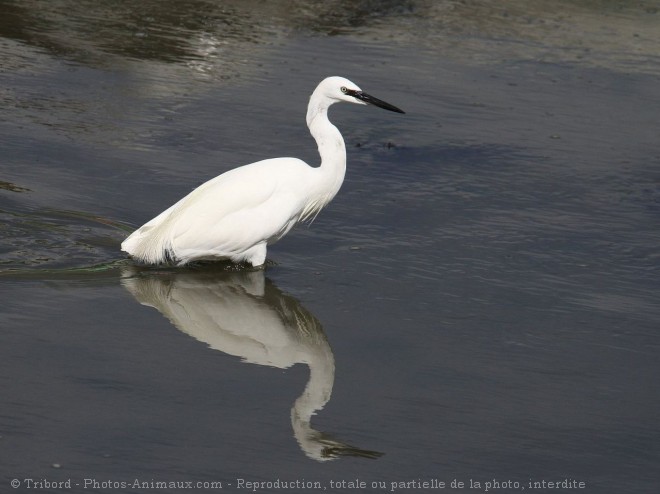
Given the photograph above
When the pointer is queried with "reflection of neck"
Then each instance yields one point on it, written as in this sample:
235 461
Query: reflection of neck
316 394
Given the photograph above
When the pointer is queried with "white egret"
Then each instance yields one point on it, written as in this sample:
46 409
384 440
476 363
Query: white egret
237 214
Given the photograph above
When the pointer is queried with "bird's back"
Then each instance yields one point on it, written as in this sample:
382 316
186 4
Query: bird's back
228 215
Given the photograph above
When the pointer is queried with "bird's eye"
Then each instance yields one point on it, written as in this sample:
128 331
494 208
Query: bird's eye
344 89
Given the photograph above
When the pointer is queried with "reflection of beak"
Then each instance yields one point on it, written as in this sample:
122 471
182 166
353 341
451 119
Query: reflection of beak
367 98
339 450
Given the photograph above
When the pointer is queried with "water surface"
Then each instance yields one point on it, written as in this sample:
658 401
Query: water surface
479 302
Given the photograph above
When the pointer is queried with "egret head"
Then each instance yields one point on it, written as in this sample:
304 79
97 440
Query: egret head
341 89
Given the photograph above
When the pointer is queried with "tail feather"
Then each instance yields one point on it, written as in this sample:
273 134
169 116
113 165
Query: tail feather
146 245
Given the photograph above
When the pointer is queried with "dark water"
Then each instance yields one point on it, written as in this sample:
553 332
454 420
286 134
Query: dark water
480 303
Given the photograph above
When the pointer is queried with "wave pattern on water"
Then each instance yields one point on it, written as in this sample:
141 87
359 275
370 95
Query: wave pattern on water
56 239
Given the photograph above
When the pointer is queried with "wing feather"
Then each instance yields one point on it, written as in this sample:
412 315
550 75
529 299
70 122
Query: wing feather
228 214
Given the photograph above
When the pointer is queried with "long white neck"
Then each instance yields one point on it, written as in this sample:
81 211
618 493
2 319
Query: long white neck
331 146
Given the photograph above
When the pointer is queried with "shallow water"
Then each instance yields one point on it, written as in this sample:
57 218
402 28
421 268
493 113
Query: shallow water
478 304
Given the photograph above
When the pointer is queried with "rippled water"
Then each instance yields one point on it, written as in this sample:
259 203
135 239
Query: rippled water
478 304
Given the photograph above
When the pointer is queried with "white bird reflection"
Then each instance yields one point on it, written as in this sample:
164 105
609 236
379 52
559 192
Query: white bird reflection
244 314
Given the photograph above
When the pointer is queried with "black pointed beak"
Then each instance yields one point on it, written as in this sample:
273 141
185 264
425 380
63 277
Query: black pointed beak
367 98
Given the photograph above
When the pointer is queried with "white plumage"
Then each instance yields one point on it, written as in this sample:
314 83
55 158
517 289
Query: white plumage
237 214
